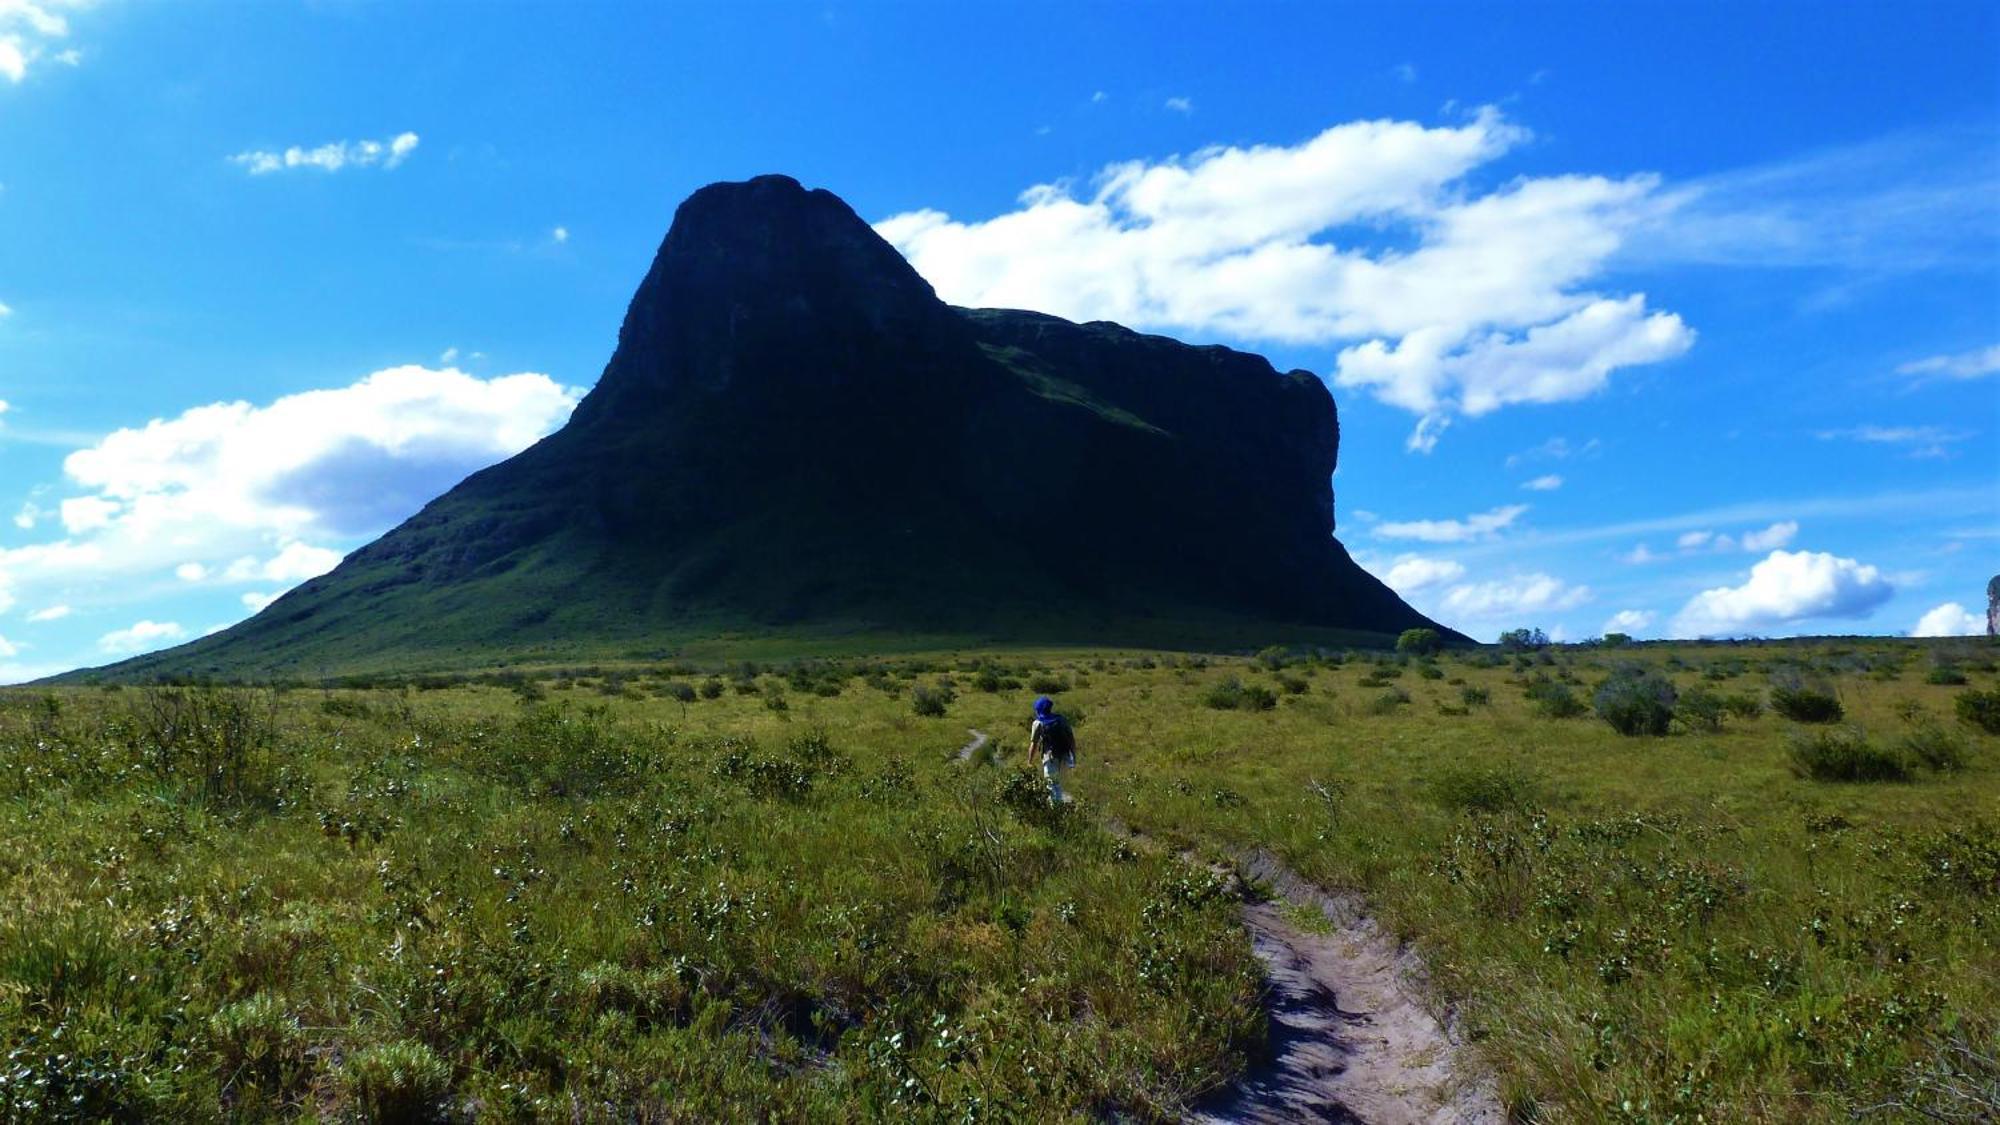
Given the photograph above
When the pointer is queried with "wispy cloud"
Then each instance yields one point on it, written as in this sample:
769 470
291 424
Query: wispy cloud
1975 364
1181 105
1548 482
1483 525
1924 441
331 157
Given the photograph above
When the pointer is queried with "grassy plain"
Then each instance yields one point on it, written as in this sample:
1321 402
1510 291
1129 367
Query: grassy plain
659 891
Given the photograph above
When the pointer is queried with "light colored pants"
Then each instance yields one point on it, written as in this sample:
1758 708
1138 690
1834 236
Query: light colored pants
1054 771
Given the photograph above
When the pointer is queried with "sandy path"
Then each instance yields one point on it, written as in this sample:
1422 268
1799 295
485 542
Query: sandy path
966 751
1350 1038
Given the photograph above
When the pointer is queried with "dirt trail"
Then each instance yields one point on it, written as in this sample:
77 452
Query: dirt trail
1350 1037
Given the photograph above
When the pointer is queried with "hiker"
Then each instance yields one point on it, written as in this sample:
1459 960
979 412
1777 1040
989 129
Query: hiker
1051 740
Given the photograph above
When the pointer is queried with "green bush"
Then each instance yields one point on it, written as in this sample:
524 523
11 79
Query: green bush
1387 702
401 1081
1636 702
1980 709
1804 701
1257 697
1700 709
1936 747
1554 700
1945 675
930 701
1419 642
1472 696
1845 754
1485 789
1224 696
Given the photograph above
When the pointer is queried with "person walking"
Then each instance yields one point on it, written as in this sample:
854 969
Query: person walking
1052 742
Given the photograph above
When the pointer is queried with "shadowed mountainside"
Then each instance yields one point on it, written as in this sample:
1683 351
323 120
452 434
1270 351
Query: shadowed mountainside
795 435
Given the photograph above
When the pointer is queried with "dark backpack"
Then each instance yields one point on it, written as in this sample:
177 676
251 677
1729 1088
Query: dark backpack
1058 740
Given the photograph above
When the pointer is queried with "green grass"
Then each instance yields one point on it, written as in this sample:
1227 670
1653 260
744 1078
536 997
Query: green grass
576 889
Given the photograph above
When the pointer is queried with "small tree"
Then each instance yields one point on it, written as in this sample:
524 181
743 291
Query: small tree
1521 640
1419 642
1617 640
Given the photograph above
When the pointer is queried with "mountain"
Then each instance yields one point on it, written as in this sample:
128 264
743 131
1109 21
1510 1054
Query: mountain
795 436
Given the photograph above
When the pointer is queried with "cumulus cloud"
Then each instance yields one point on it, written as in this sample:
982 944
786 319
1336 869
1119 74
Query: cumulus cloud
1546 483
1449 300
142 636
264 493
1410 573
1975 364
1483 525
1511 599
29 32
1628 621
1785 587
330 157
1949 620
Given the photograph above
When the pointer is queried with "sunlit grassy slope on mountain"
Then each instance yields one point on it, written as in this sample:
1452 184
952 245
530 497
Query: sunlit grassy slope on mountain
795 435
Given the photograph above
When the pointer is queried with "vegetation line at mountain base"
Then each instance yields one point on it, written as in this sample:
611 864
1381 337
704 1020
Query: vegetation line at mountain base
772 889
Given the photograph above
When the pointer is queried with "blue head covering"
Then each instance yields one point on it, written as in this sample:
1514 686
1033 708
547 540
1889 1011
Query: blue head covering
1044 707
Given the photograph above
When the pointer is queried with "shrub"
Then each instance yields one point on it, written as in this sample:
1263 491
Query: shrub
1936 747
1636 702
679 692
1047 684
1487 789
1806 701
1945 675
1743 705
1553 700
1224 696
929 701
1845 754
1257 697
1429 671
1700 709
1475 696
1419 642
1274 657
1980 709
711 688
259 1044
1387 702
1616 640
1293 685
1521 640
399 1081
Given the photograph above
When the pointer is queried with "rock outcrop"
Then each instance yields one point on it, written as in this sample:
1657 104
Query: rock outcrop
796 433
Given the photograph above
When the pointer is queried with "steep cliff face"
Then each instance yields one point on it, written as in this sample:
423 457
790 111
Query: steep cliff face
794 432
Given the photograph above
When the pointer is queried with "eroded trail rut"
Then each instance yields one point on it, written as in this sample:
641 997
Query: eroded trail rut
1350 1037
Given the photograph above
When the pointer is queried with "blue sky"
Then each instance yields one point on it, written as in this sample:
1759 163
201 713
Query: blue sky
1679 319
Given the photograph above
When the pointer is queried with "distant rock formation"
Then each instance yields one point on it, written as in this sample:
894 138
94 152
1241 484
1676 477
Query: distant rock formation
1993 607
796 433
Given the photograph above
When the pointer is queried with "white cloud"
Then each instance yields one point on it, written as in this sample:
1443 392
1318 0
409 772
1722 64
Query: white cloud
1771 538
255 601
1784 587
330 157
88 513
28 516
1482 525
1409 573
1628 621
277 487
1694 540
1949 620
143 636
1547 483
1926 441
1099 96
52 613
7 649
560 234
1975 364
1181 105
191 572
1639 555
28 31
1488 307
1405 73
1512 598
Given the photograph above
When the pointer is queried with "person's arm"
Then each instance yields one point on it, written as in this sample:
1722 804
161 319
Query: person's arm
1034 743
